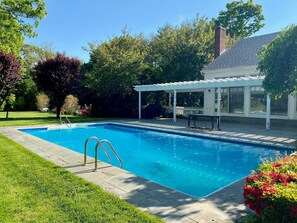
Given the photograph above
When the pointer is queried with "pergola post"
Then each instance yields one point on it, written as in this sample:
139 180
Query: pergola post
219 102
174 105
268 111
169 102
139 105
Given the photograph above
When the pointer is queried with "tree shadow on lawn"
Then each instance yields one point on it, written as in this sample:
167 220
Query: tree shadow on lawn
28 118
52 119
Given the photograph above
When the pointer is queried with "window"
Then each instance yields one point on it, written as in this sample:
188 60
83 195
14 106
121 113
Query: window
224 100
258 100
279 106
236 100
231 100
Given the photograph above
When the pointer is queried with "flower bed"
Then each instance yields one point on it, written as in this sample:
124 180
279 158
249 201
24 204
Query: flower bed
271 190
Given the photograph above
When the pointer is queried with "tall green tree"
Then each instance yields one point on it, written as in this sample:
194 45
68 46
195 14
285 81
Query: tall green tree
181 52
26 88
242 18
32 54
278 62
114 67
18 18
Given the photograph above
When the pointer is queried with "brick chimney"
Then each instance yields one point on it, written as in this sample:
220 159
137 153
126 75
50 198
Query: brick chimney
220 40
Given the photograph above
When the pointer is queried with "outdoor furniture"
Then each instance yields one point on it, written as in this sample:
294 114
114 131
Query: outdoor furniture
196 117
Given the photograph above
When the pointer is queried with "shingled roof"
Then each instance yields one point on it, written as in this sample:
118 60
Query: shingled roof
242 53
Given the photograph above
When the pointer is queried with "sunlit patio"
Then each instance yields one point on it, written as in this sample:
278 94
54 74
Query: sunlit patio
279 136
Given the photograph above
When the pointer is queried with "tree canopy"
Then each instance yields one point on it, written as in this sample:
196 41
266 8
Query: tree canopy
241 19
278 62
18 18
181 52
114 67
9 75
32 54
174 54
26 88
58 77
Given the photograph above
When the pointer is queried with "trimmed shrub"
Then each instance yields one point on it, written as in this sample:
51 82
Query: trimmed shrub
271 190
42 102
71 105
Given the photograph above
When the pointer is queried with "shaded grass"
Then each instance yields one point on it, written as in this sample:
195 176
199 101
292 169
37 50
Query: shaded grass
35 190
38 118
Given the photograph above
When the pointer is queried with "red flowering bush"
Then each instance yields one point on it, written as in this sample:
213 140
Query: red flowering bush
271 190
84 112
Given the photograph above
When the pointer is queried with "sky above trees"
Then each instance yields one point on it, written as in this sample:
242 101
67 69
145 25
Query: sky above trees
71 25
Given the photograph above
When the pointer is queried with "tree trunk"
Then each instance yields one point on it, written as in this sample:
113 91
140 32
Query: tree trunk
7 110
58 112
7 106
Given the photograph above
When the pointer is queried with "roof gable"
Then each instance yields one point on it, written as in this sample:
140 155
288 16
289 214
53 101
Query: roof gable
242 53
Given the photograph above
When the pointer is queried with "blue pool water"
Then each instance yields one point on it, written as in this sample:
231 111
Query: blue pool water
192 165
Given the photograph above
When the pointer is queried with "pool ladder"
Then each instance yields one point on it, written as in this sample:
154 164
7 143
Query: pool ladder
68 124
100 143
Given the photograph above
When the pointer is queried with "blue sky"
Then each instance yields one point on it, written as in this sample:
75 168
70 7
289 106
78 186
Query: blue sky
71 24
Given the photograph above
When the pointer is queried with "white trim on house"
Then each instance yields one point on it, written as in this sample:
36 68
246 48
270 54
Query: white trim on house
230 72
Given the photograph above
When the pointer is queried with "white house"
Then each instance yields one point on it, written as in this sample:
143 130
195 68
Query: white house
241 60
232 85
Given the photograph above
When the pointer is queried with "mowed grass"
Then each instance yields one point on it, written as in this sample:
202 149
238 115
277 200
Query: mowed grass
38 118
35 190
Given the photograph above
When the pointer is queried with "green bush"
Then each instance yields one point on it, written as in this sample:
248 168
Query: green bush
20 104
271 191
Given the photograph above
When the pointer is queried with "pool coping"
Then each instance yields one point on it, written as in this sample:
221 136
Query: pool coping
224 205
207 136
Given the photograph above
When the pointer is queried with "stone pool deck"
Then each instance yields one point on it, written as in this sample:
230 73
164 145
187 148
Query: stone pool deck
225 205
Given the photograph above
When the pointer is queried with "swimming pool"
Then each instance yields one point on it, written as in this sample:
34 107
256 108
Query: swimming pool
192 165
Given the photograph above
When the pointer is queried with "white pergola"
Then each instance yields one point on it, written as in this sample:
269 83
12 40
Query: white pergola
194 86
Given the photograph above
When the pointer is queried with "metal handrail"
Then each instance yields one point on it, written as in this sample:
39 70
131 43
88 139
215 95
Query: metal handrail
62 122
113 150
99 143
96 151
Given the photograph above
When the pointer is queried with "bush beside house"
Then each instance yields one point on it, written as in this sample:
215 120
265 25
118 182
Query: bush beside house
271 190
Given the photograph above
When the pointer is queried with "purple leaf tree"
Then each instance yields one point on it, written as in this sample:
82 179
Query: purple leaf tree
10 74
58 77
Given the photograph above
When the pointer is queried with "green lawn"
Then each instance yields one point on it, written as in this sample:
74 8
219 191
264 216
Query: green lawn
38 118
35 190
